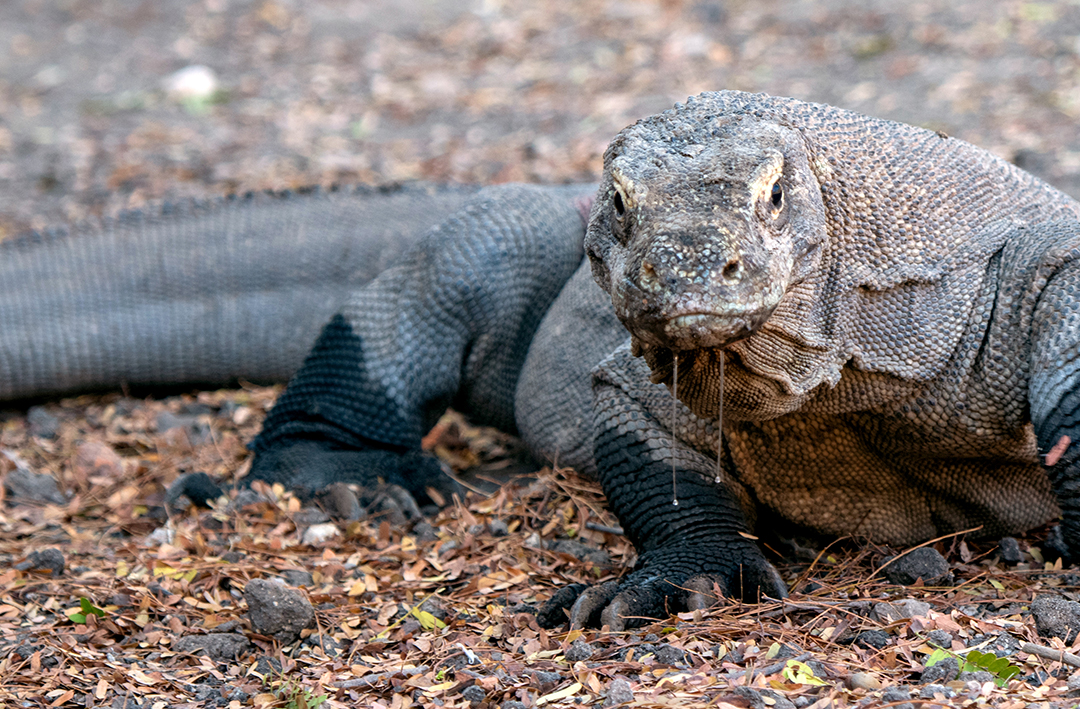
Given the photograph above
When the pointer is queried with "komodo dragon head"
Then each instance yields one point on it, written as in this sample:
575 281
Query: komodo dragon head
703 220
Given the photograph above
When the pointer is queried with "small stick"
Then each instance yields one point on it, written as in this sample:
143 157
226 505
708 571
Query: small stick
597 527
1049 653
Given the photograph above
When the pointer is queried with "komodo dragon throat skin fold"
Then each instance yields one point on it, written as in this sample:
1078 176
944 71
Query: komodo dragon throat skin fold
896 313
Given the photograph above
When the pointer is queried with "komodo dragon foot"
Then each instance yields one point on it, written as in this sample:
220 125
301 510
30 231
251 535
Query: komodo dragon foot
672 579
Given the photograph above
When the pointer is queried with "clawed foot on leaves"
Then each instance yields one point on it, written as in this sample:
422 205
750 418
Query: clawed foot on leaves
396 483
667 581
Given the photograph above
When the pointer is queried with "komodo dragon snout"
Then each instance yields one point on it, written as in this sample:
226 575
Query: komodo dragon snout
696 237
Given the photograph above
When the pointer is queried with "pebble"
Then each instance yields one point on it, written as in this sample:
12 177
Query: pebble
195 82
1009 550
925 563
49 561
898 610
220 647
319 533
474 695
43 424
940 672
277 610
873 639
619 692
1056 617
579 651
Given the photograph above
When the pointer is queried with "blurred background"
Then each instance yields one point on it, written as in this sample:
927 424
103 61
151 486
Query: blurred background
108 104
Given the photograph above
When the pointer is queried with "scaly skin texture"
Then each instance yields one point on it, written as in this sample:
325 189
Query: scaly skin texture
894 310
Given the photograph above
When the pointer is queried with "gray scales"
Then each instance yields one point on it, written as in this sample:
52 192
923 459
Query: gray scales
895 312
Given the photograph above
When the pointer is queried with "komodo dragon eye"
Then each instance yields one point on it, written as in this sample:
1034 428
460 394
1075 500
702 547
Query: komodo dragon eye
777 195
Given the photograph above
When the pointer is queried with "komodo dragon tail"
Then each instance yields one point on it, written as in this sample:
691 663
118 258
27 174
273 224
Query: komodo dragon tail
203 294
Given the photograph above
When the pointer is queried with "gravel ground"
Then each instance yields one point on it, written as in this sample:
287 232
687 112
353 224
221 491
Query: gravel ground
328 91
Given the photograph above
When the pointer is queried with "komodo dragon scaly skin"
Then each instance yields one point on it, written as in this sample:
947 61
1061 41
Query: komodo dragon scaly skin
896 312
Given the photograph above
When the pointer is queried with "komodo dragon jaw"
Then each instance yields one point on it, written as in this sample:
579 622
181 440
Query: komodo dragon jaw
697 239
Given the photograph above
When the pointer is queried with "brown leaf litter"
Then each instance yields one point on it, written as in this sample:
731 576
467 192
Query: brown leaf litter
437 615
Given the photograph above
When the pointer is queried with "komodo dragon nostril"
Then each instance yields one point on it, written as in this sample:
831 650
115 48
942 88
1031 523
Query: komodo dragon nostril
732 269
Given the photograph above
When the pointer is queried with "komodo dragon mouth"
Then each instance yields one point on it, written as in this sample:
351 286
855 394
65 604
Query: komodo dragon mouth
698 330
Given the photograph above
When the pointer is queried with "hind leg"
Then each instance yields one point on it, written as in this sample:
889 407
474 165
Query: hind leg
450 325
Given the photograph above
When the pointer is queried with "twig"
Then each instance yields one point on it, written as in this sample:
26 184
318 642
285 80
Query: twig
597 527
1050 653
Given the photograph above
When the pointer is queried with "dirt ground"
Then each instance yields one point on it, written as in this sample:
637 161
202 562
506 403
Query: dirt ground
339 91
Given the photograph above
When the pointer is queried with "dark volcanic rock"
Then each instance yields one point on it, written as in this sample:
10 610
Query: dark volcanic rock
925 563
22 484
220 647
278 610
1009 549
1056 617
47 560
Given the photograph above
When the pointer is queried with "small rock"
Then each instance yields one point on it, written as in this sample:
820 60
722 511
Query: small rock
220 647
751 696
930 690
546 680
581 552
618 692
277 610
42 423
670 655
864 680
49 561
898 610
981 677
1056 617
498 528
474 694
425 531
341 502
939 638
898 694
779 701
330 647
925 563
579 651
873 639
1073 683
318 533
390 502
436 607
24 485
309 516
1009 550
297 577
1001 644
192 83
941 672
513 704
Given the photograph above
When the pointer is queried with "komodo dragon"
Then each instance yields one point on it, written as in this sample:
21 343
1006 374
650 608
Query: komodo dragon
896 311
